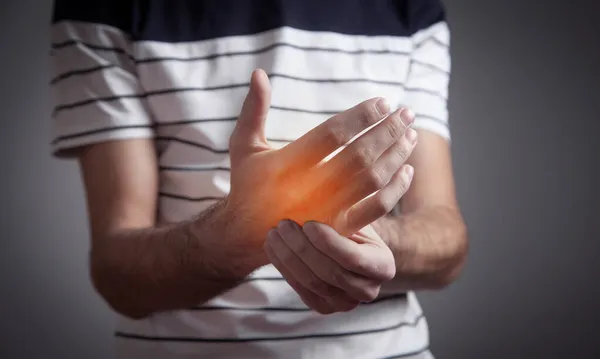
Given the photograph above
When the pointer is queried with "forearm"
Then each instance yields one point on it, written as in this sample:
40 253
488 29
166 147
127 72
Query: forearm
429 247
140 272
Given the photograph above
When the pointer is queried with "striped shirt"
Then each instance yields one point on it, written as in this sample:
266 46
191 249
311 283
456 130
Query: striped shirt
178 71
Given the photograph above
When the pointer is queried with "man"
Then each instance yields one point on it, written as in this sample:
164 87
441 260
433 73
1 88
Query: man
251 216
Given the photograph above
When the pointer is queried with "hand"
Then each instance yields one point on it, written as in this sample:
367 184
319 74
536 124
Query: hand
294 182
331 273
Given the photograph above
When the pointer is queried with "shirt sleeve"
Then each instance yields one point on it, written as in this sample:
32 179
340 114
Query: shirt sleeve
96 94
428 79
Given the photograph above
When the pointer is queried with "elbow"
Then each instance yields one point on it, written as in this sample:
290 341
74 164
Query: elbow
455 259
448 276
120 297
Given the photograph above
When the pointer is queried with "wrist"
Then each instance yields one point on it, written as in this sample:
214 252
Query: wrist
387 228
227 242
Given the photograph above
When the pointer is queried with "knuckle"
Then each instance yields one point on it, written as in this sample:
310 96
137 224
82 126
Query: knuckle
394 127
384 204
301 248
374 180
403 149
386 270
389 272
284 256
358 263
403 184
361 157
367 114
369 293
334 134
338 278
317 285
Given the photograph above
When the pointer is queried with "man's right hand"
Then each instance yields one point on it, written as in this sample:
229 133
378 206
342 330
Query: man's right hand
294 182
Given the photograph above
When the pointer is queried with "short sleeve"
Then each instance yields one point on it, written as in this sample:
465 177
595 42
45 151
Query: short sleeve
428 80
96 94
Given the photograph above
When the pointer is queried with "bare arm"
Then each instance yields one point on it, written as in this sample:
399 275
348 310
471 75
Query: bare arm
428 236
136 267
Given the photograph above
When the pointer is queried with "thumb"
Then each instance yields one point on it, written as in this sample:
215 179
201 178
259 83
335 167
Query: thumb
249 132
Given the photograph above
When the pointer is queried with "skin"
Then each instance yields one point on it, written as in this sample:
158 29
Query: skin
140 268
423 245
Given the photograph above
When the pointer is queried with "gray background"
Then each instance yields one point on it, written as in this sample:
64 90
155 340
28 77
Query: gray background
525 98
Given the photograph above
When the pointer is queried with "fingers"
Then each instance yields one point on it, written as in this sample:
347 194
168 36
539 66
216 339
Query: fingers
309 298
294 270
324 268
337 131
374 178
366 149
358 158
369 260
250 127
380 203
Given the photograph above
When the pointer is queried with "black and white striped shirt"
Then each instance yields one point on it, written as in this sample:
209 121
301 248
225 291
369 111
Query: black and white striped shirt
178 71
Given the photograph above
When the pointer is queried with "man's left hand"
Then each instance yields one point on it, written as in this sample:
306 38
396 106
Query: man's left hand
330 272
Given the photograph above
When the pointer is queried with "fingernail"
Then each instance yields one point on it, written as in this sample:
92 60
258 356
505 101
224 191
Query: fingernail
411 135
409 170
408 116
383 106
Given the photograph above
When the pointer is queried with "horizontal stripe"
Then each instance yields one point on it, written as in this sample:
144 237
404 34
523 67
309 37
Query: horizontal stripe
335 43
86 36
61 148
126 335
216 324
439 30
292 64
95 100
408 354
62 107
193 20
432 40
245 84
97 131
288 309
73 42
148 126
69 74
194 121
58 49
269 48
192 143
432 68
